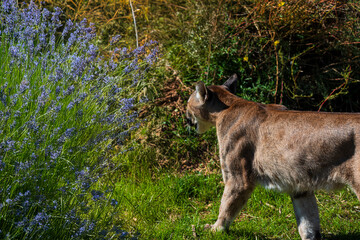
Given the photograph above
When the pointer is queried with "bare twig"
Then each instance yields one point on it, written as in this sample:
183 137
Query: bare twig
256 25
328 97
136 33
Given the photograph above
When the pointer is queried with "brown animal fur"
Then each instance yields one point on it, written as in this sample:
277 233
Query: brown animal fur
289 151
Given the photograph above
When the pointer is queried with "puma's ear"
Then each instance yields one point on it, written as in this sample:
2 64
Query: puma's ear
231 83
201 92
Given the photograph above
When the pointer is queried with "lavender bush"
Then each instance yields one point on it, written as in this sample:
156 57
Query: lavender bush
65 115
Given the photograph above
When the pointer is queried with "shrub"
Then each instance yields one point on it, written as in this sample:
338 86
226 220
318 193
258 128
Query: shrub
308 49
300 53
65 116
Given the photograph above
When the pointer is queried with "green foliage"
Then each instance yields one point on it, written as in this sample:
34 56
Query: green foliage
300 53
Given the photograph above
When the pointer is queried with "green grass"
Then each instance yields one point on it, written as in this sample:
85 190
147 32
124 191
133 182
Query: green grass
165 205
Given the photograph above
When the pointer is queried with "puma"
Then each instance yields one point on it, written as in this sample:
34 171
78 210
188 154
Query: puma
295 152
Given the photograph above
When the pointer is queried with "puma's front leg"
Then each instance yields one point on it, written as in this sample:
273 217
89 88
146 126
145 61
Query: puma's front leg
307 215
234 198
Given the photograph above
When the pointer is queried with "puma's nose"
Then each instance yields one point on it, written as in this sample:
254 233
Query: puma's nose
189 122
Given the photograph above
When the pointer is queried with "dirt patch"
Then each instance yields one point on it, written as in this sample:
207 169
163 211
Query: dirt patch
167 133
172 97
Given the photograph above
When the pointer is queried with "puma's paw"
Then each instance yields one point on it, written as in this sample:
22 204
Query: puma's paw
207 226
214 228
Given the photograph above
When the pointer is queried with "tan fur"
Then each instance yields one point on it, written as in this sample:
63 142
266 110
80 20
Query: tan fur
288 151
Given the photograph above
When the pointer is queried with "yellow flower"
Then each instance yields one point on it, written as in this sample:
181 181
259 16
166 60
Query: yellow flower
281 4
276 42
246 58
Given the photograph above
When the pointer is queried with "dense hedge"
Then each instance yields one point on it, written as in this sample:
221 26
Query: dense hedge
299 53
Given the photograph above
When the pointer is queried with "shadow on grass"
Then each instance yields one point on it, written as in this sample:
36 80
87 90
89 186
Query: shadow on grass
243 234
348 236
235 234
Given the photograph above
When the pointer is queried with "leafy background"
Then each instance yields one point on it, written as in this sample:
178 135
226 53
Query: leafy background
93 138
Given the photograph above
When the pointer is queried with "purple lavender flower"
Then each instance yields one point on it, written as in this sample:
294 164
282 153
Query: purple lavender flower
43 98
55 21
2 164
96 195
127 69
68 27
9 145
24 85
26 34
115 39
87 33
45 14
41 220
70 105
114 202
152 57
59 74
58 108
17 114
30 46
127 104
32 124
22 223
57 89
72 39
83 23
138 51
69 132
15 52
43 40
13 125
69 90
31 14
134 64
23 166
56 153
92 52
88 77
124 51
13 99
52 40
77 66
9 6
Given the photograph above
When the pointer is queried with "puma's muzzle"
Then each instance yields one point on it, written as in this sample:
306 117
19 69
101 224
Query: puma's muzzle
190 120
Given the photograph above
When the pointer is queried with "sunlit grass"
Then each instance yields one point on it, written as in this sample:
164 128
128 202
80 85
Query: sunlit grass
177 206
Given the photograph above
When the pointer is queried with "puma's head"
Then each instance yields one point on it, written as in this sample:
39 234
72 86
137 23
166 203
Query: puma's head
205 103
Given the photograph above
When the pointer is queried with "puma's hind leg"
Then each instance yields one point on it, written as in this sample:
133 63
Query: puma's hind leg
307 215
356 189
354 182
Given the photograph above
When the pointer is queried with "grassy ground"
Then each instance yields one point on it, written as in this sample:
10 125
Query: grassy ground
167 205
